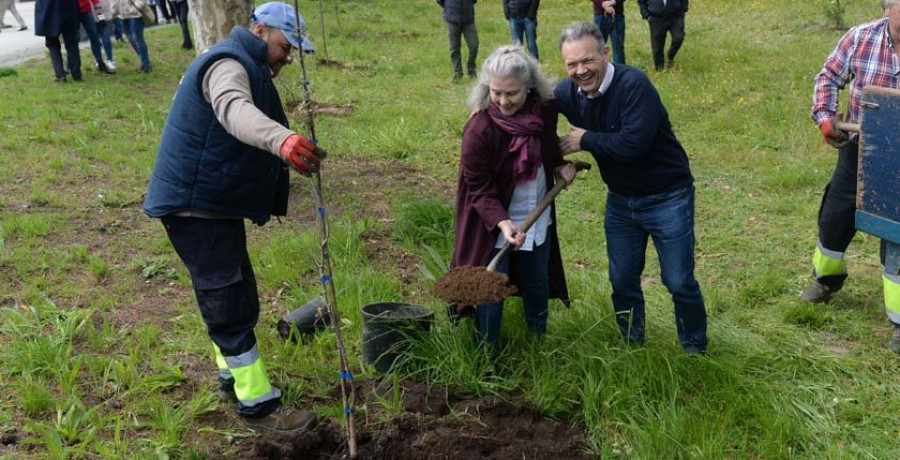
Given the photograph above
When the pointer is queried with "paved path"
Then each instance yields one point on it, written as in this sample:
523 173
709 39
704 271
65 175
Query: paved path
17 47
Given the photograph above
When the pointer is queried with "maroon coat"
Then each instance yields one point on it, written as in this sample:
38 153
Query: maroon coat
619 7
485 190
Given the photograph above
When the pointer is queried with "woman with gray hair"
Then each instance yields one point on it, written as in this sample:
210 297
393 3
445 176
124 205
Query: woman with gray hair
510 152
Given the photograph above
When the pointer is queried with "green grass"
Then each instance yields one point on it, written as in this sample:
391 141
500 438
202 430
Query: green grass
104 355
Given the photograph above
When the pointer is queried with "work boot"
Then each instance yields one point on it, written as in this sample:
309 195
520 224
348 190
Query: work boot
894 342
283 420
670 63
818 292
226 393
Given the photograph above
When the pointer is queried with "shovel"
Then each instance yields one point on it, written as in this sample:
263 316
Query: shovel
477 285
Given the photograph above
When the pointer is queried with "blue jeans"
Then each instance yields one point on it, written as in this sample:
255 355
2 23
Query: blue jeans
528 28
103 30
613 30
668 218
534 286
87 21
118 25
134 27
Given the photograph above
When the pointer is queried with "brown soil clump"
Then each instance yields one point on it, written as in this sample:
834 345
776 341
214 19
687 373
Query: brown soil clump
473 286
435 424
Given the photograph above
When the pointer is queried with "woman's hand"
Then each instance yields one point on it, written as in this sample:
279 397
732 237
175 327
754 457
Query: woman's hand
511 233
566 172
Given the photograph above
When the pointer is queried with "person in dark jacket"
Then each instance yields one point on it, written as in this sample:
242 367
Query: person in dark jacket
617 115
222 159
522 17
55 18
460 18
510 152
609 16
180 12
665 17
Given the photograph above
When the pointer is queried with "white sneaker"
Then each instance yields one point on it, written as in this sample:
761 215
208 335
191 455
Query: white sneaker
111 65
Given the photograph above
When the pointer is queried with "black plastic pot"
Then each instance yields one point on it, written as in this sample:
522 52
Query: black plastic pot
388 328
308 319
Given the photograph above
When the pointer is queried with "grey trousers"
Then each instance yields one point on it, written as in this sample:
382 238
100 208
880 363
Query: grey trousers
454 31
10 5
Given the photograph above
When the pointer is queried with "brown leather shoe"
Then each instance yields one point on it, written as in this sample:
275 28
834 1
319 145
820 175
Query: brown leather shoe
283 420
670 63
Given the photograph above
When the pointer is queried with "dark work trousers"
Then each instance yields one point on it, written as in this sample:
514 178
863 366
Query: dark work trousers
659 28
181 12
69 31
470 33
215 253
837 213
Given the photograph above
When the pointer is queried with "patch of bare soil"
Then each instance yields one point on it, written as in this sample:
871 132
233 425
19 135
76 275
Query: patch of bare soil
341 66
473 286
300 112
435 424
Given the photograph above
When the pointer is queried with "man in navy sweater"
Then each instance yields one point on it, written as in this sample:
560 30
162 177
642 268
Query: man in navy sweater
617 115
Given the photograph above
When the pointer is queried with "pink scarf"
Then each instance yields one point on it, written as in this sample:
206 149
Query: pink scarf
526 127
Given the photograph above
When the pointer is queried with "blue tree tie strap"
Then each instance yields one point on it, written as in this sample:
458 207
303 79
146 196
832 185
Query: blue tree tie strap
325 279
322 211
346 375
348 410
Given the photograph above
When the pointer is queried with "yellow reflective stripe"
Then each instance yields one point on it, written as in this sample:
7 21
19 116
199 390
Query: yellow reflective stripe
220 359
892 297
827 266
251 381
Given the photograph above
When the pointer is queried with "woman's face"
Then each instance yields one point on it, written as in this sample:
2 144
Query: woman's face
508 94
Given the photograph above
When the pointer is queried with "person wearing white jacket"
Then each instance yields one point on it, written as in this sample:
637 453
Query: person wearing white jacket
130 13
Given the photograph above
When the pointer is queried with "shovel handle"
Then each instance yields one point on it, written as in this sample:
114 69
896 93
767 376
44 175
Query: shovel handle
845 126
535 214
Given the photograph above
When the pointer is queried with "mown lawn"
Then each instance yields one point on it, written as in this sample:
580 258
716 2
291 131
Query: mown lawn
103 354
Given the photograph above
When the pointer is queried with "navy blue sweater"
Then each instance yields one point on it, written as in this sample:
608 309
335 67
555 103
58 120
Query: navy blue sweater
628 133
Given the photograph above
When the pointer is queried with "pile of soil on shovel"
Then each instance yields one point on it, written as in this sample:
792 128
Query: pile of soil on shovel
473 286
434 424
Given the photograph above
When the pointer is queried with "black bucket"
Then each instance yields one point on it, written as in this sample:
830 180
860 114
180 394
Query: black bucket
387 329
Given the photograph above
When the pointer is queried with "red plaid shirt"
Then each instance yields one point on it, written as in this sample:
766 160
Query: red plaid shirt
866 56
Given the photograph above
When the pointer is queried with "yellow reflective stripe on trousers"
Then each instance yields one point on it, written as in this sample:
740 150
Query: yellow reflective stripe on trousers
828 263
220 359
224 373
251 383
892 297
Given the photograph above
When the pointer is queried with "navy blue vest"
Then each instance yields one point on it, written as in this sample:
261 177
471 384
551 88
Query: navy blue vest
199 166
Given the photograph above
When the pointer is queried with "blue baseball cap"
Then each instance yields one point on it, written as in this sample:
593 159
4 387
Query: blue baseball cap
281 16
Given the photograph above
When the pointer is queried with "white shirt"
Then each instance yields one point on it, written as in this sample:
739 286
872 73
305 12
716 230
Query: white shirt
604 85
525 198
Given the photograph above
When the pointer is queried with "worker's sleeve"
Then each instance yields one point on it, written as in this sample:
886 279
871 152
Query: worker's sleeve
836 73
226 86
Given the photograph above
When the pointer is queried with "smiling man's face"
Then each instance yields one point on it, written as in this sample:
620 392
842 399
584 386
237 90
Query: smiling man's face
585 62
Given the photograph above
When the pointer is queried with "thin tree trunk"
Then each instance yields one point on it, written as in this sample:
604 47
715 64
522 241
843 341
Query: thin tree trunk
214 19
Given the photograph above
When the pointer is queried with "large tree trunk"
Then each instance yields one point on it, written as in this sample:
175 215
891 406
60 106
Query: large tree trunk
214 19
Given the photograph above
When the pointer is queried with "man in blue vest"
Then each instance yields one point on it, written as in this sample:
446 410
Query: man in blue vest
223 158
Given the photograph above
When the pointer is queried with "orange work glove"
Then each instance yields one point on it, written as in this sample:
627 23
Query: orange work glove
302 154
833 136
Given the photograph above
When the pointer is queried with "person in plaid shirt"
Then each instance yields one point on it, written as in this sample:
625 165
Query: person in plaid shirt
868 54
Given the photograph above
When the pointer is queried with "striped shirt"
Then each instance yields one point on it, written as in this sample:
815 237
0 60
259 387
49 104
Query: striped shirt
866 56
